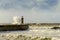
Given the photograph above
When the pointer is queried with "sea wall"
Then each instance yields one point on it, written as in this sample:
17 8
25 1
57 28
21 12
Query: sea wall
13 27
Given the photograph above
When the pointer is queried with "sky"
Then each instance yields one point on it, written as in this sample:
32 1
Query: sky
34 11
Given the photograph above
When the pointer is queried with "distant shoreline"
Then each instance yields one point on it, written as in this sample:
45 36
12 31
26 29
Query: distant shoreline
37 24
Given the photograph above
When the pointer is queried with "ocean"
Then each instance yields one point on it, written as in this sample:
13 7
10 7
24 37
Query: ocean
41 32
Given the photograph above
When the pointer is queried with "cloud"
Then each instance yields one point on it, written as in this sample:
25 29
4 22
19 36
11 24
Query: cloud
28 4
32 10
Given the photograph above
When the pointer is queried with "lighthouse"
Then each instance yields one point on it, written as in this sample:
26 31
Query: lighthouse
17 20
22 20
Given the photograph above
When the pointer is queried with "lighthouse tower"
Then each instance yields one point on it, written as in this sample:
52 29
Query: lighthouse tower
22 20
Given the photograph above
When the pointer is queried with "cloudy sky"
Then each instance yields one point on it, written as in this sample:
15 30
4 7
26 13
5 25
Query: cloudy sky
36 11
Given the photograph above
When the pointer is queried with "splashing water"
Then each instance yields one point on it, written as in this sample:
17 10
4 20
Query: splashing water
35 31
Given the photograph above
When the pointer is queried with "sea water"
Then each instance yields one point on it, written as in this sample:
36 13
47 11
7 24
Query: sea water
34 31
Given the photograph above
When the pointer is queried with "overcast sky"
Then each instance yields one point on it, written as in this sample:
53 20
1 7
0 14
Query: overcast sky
36 11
